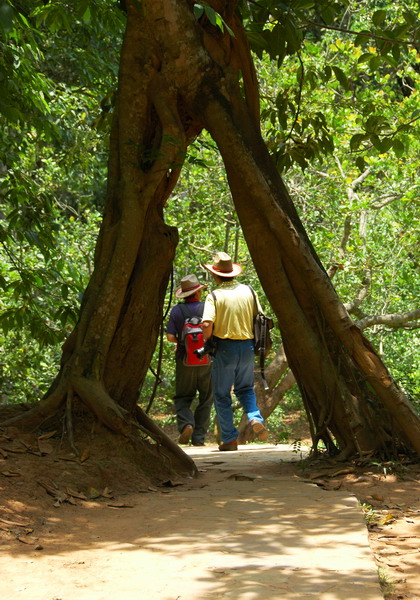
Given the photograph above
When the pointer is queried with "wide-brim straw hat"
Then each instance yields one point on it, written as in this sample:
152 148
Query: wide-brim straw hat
189 286
223 266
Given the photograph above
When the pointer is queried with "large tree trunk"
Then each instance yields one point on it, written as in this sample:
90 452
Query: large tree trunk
177 76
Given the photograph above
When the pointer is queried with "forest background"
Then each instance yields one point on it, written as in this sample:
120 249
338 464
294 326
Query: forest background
341 119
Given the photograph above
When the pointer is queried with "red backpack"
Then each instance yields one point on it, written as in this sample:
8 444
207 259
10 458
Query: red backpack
192 338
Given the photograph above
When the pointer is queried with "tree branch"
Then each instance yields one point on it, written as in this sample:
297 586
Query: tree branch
366 34
391 320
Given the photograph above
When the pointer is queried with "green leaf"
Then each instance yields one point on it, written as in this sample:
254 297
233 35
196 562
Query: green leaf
398 147
374 63
211 14
410 18
356 140
341 77
361 39
360 163
379 17
7 16
198 10
364 57
374 138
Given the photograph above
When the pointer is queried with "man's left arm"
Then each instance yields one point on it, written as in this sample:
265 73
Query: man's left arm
207 329
209 314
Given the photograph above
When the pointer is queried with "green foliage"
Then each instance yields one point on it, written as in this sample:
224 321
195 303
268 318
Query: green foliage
52 175
338 62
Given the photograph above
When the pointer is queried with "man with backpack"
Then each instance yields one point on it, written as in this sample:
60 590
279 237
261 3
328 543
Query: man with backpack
192 374
229 313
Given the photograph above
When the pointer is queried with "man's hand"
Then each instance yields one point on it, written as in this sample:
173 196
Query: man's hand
207 329
171 338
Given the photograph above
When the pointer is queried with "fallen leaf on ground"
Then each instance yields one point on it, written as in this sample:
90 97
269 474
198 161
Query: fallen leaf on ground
241 477
45 447
93 494
14 523
78 495
171 483
49 486
10 473
26 540
377 497
343 472
46 436
85 455
70 458
120 505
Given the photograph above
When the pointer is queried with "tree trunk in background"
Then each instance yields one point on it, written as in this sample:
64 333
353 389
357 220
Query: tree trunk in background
280 380
178 75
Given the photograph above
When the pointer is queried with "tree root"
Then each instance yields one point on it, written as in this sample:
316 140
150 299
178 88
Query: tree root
95 397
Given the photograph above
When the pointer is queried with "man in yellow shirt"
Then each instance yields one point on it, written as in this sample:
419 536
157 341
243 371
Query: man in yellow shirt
228 315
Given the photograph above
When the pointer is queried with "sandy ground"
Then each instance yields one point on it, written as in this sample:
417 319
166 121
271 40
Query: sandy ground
252 525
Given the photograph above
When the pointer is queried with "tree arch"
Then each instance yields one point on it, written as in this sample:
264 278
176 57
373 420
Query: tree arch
179 75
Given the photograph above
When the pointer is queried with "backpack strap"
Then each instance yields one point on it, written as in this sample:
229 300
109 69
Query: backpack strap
262 342
186 311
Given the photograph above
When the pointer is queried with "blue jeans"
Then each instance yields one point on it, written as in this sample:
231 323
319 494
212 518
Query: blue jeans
233 365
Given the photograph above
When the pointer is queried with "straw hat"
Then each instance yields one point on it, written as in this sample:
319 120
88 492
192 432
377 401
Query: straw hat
223 266
189 286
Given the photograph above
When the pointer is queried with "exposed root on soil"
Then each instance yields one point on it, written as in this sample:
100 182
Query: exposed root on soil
86 400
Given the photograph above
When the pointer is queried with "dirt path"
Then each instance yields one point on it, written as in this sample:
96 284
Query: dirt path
247 528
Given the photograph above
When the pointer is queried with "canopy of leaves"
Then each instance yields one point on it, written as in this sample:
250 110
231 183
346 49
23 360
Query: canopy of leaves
339 90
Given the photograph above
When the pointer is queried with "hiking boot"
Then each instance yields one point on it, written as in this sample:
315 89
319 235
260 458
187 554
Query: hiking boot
259 430
186 434
228 446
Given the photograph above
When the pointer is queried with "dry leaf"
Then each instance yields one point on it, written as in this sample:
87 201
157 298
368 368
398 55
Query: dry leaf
107 493
3 453
25 540
70 458
46 436
78 495
171 483
14 523
92 493
386 519
45 447
85 455
50 487
120 505
10 473
343 472
241 477
377 497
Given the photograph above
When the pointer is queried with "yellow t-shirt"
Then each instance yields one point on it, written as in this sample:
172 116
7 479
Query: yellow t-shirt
233 314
